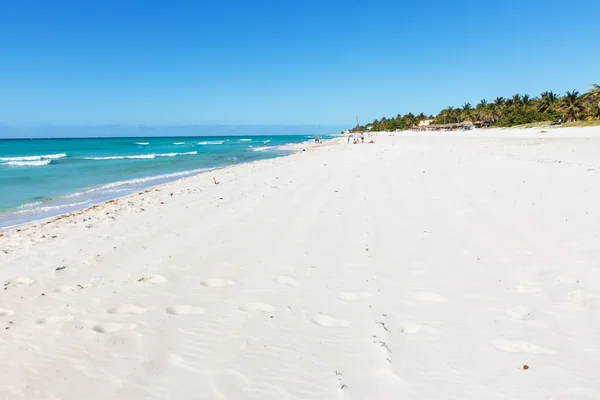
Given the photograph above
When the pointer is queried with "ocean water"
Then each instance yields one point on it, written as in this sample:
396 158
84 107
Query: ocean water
40 178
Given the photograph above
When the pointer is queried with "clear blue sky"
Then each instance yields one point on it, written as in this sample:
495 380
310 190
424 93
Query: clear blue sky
283 62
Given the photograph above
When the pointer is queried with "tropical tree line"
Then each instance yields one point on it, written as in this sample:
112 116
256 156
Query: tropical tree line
506 111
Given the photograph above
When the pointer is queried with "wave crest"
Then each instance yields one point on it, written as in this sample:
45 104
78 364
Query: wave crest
213 142
38 163
35 158
142 156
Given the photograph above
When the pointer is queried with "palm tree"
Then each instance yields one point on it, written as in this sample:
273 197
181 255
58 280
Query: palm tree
441 117
593 97
481 110
449 114
571 105
499 101
525 100
548 101
516 99
466 113
411 120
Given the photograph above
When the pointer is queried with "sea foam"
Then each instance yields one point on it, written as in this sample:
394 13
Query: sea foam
110 187
213 142
51 208
35 158
38 163
142 156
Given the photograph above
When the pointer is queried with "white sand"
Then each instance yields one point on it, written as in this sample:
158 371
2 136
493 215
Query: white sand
424 266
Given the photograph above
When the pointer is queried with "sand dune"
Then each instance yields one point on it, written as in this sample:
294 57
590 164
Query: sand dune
422 266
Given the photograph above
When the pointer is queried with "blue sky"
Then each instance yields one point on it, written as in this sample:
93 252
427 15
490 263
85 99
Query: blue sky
282 62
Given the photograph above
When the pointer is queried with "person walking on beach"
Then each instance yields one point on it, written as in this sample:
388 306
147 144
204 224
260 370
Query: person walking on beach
362 137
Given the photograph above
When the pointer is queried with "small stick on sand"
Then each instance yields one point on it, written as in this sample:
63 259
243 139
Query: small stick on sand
215 180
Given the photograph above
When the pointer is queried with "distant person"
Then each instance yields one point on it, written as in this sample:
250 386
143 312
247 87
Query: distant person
362 137
349 137
264 144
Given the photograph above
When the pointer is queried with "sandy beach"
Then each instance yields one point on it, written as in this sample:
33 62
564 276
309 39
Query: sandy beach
424 266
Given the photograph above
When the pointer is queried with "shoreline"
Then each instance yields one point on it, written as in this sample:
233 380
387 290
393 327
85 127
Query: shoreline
291 148
56 202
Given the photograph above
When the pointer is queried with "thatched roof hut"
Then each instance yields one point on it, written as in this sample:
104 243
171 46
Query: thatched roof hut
435 127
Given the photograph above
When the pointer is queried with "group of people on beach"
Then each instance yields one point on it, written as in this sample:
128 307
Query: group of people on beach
356 140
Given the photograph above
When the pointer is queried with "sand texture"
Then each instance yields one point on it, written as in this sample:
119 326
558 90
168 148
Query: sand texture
424 266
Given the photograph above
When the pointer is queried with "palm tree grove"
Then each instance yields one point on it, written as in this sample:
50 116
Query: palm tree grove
506 112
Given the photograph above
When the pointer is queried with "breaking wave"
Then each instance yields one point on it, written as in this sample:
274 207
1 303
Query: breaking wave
35 158
39 163
213 142
142 156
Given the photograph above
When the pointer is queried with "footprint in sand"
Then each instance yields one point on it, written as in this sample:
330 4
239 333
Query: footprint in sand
289 281
4 312
126 309
112 327
583 298
429 296
153 279
353 296
411 328
217 282
513 346
257 307
21 281
583 393
184 309
327 321
63 289
54 319
519 313
566 280
527 289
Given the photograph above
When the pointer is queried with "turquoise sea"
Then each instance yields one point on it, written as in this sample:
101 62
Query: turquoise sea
40 178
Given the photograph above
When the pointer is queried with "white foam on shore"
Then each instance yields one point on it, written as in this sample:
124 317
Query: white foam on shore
30 205
137 181
34 158
141 156
142 143
51 208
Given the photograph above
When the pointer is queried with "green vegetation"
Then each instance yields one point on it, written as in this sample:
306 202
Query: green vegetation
533 124
589 122
519 110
